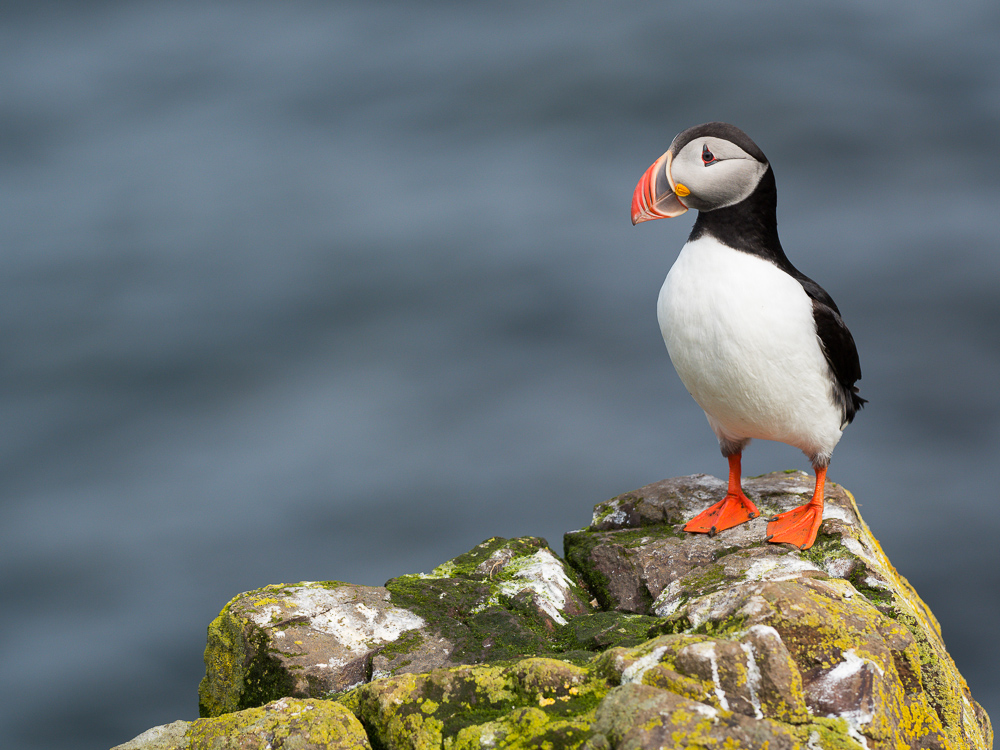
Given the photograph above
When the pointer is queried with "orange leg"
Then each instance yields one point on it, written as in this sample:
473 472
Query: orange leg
732 510
799 526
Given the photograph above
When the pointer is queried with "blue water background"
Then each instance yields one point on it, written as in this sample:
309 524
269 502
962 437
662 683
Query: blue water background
310 291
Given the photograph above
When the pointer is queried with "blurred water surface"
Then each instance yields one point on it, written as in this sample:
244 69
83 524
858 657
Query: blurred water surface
308 291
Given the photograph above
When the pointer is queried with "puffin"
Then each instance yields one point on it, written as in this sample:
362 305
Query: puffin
760 346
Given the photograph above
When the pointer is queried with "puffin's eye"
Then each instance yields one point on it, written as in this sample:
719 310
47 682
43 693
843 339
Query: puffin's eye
707 156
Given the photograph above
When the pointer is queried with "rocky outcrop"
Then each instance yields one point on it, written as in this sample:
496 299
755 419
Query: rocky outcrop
836 618
646 637
503 599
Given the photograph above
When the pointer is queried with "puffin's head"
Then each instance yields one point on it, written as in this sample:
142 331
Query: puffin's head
707 167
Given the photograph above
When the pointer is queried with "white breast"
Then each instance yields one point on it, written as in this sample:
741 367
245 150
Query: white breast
741 335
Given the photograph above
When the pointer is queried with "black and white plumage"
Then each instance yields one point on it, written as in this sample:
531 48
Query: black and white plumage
759 345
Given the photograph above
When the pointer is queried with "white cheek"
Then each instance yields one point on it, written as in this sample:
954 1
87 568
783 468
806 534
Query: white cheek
686 169
726 182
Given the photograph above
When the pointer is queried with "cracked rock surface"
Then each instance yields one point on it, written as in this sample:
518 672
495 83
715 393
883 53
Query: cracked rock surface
503 599
644 637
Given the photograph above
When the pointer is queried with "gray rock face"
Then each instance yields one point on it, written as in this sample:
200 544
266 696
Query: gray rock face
301 640
645 717
723 641
500 600
636 557
830 632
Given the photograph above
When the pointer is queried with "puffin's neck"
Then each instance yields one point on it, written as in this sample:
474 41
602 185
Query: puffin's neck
750 225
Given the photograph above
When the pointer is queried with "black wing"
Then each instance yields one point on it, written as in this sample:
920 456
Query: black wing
838 346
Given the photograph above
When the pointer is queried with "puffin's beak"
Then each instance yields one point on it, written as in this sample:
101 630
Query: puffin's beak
654 196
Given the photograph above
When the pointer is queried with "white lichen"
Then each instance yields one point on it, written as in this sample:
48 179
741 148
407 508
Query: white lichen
778 568
838 512
829 685
839 567
635 671
669 600
753 680
356 625
544 575
704 709
444 570
765 631
706 650
859 550
617 516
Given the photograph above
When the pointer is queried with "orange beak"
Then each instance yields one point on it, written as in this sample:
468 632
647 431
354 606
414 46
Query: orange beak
654 196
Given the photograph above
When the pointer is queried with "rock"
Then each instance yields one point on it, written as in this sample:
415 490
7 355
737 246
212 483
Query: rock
286 723
641 716
602 630
528 704
831 633
722 641
503 599
166 737
302 640
722 673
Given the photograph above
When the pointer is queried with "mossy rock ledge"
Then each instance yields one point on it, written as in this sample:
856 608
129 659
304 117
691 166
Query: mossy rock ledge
644 637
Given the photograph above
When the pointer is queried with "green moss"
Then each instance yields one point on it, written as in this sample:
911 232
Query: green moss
826 548
632 538
350 699
477 562
432 597
563 688
526 728
540 699
240 670
470 609
289 723
830 734
606 509
880 597
225 666
498 634
706 578
578 546
675 624
730 626
598 631
265 680
425 708
407 642
933 672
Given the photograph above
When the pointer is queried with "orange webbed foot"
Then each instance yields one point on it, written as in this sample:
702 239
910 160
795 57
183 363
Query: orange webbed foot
799 526
732 510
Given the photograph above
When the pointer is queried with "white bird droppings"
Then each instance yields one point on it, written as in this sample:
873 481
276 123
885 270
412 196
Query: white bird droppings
706 650
543 574
753 680
635 671
337 612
